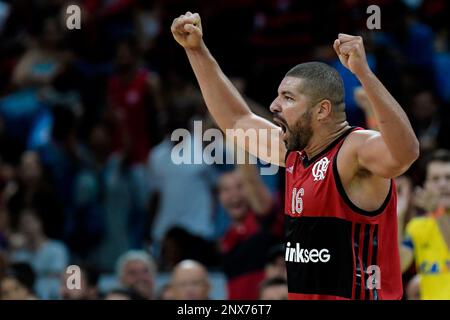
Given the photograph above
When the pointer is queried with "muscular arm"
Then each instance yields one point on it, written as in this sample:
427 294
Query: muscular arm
389 152
364 104
224 102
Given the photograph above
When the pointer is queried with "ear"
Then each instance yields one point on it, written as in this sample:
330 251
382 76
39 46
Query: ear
324 110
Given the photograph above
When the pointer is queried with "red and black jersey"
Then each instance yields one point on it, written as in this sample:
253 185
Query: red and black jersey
335 250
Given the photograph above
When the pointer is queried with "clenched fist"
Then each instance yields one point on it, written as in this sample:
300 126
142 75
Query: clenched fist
187 30
350 50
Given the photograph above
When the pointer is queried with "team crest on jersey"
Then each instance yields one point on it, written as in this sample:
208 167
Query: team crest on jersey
320 168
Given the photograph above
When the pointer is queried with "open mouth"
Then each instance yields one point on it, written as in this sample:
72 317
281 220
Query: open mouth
280 124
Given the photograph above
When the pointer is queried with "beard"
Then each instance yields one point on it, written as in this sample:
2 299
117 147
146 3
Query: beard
300 133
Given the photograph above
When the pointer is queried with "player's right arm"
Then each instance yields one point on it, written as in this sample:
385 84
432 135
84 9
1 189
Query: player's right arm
224 102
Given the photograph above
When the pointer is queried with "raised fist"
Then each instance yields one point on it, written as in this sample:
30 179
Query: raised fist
350 50
187 30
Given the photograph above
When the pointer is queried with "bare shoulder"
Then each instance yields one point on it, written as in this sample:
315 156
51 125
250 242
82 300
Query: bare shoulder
348 164
363 187
355 140
359 137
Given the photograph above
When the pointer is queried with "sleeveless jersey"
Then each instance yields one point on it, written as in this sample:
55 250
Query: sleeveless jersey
335 250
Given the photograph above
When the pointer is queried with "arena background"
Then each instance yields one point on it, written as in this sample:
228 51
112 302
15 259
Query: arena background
86 117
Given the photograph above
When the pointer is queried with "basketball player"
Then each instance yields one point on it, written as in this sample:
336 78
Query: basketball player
340 202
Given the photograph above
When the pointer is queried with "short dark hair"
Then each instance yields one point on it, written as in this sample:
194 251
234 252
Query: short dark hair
440 155
321 82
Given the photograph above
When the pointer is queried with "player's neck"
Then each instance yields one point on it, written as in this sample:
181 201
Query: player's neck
323 138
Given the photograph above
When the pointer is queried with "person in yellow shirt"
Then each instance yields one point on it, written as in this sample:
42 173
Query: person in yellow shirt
427 238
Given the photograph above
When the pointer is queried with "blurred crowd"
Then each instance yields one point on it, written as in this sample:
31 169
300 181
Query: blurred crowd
86 116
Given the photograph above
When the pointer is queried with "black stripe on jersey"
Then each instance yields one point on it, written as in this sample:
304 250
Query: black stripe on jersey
332 277
374 256
365 262
358 266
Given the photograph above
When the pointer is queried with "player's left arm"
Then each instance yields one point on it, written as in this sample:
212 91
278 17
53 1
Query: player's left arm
389 152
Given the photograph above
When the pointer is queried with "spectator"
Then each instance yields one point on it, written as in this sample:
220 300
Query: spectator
123 191
41 63
274 289
429 121
136 270
47 257
134 99
86 225
35 190
427 238
61 154
255 228
191 184
190 281
18 283
38 68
